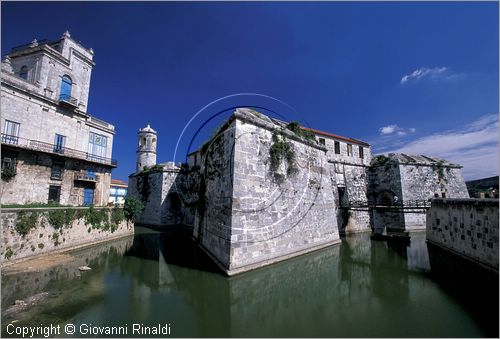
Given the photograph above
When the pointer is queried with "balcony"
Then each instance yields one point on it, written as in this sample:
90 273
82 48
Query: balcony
41 146
68 100
85 177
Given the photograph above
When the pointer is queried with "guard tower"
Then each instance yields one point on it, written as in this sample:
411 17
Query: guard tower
146 150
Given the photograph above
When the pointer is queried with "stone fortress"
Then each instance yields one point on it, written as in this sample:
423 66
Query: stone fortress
262 190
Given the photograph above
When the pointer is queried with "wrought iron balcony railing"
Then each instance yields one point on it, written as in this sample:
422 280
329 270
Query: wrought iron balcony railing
85 177
55 149
67 99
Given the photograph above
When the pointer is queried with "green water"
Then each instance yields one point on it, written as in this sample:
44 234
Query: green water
361 288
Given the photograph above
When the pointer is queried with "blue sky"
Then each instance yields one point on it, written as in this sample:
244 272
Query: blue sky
419 77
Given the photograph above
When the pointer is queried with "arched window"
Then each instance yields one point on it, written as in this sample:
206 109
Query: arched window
65 88
23 73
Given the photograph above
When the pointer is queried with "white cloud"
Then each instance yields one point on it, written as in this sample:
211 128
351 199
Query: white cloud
391 129
388 129
475 147
423 72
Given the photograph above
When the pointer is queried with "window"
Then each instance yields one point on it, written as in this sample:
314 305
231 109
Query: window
54 193
361 152
322 141
97 146
337 147
65 93
23 73
10 134
349 150
59 142
57 170
91 173
8 160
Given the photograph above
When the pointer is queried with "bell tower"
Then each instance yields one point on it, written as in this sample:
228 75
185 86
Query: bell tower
146 149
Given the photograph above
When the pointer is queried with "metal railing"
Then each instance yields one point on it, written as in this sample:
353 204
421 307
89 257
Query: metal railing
66 98
399 204
85 177
55 149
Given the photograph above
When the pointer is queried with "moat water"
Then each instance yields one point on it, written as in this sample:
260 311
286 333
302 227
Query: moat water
360 288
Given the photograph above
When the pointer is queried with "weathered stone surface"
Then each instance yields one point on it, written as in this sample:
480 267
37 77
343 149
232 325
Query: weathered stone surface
467 227
33 178
402 185
44 238
272 219
247 213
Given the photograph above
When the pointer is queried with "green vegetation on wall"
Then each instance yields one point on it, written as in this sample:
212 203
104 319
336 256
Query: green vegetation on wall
25 222
379 160
281 149
8 253
99 219
132 208
295 127
60 218
8 173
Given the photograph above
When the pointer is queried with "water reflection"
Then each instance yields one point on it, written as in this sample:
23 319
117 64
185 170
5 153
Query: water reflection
361 288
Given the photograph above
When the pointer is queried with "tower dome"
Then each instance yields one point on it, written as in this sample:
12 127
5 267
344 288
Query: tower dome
146 148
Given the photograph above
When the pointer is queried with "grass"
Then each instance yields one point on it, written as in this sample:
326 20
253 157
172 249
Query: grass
35 205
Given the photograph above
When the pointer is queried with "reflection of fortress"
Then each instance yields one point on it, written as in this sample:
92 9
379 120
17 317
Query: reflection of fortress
262 190
314 290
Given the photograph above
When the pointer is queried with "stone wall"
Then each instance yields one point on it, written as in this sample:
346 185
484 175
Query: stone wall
384 184
151 188
401 184
44 238
275 214
422 182
169 194
348 170
33 178
467 227
356 186
213 222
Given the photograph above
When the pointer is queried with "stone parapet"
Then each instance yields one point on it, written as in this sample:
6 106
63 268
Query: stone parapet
29 232
466 227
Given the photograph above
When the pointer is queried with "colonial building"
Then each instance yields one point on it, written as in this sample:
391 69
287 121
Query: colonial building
117 192
53 149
